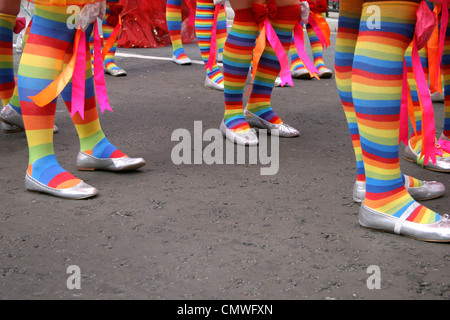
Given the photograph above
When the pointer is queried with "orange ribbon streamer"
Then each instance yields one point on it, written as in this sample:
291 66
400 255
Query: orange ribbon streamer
52 91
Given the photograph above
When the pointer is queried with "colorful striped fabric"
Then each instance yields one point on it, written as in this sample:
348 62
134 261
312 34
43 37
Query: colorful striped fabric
7 82
107 29
316 48
446 82
348 28
269 66
174 20
204 20
376 91
237 58
47 49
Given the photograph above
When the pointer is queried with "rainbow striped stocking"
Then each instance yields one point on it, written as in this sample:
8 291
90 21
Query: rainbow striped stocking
204 19
269 66
7 82
376 91
237 58
174 21
48 46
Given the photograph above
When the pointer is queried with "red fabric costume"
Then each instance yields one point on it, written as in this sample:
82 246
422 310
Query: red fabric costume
145 26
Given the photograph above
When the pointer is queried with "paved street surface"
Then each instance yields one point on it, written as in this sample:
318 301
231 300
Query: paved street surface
198 231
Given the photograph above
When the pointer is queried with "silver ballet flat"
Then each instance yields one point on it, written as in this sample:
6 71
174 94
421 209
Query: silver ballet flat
359 191
248 138
283 130
437 97
80 191
434 232
12 118
212 85
182 62
86 162
301 73
6 128
429 190
441 165
116 72
277 82
326 73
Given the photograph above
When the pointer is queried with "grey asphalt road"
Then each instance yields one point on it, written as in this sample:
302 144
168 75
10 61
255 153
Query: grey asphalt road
199 231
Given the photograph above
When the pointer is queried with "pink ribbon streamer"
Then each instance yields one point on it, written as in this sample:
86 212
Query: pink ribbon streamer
79 77
213 47
285 73
404 133
99 74
428 146
191 21
443 145
300 45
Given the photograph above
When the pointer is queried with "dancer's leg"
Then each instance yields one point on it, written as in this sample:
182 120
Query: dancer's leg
269 67
41 62
379 55
237 57
317 51
174 22
204 19
9 9
110 63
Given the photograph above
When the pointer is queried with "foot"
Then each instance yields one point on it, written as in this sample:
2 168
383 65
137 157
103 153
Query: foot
240 137
282 129
182 60
412 154
419 190
45 175
324 72
436 229
105 156
214 79
301 73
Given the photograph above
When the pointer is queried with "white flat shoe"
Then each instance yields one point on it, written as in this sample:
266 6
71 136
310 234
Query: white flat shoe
429 190
181 62
212 85
80 191
248 138
283 130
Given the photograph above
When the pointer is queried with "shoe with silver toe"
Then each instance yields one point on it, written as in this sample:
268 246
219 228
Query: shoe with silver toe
325 73
248 138
181 62
429 190
283 130
441 165
433 232
86 162
212 85
80 191
6 128
301 73
116 72
12 118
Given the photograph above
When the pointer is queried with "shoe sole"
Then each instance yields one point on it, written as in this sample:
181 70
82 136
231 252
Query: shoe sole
428 168
406 236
